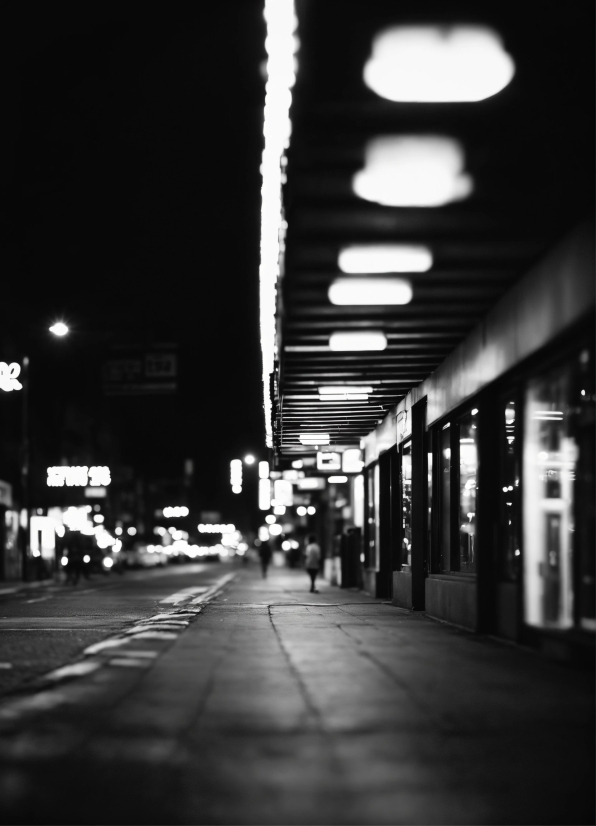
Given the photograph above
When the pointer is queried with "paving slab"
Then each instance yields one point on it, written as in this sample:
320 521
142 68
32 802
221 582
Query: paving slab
278 706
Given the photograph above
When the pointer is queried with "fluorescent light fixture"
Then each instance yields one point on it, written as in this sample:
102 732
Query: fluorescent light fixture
370 291
338 480
314 438
438 64
281 45
59 329
413 171
369 340
385 258
339 388
344 397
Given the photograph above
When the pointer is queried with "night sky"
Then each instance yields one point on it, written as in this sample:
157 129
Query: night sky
131 210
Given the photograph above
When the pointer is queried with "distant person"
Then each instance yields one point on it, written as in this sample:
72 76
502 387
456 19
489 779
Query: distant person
265 555
312 561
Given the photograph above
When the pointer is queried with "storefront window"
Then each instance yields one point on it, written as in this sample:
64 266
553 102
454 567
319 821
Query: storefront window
510 551
445 490
369 550
429 502
550 458
406 501
468 471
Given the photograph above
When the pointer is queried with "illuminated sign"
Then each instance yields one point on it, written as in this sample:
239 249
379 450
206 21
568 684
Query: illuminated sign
9 374
78 476
328 461
264 494
216 528
311 483
283 493
293 475
236 475
352 461
173 513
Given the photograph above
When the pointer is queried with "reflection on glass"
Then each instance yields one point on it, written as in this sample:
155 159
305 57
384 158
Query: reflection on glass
406 501
550 457
429 503
468 472
376 550
445 488
510 552
371 531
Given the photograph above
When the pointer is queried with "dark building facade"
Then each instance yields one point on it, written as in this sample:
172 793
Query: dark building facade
471 391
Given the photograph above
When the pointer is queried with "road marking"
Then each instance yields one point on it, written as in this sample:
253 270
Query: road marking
8 590
157 626
129 662
100 646
161 626
74 670
39 599
210 593
180 596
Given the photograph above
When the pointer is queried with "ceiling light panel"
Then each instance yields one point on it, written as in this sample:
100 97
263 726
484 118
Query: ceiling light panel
371 340
438 64
413 171
343 389
378 291
369 258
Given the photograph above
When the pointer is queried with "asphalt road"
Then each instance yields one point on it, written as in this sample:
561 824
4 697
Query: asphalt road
42 628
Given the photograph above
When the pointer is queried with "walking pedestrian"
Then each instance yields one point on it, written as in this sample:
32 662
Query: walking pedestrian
313 561
265 554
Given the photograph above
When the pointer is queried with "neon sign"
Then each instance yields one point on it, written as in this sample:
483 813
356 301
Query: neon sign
78 476
9 374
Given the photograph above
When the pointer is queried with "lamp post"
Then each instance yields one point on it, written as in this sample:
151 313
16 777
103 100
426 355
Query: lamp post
58 329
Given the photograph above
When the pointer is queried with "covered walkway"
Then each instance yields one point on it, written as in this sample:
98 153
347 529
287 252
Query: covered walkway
269 710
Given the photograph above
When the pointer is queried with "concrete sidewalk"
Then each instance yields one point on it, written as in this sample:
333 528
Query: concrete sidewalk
278 706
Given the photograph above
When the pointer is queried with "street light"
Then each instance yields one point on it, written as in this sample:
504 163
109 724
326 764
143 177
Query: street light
250 459
59 328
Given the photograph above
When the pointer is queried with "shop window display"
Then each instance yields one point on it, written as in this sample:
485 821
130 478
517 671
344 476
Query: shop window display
468 472
444 468
557 514
406 504
509 507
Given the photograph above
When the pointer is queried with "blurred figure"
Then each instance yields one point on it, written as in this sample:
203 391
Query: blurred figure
265 556
76 565
312 561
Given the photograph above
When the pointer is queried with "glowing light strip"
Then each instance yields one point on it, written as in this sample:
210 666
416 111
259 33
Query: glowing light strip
281 46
